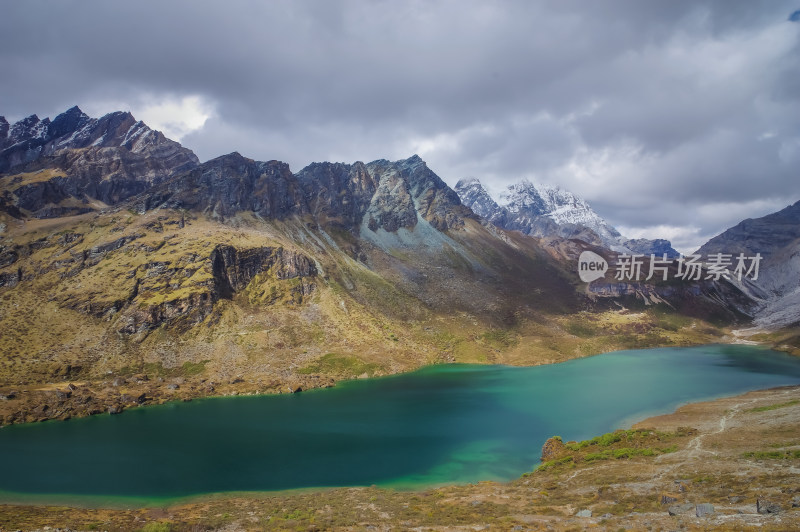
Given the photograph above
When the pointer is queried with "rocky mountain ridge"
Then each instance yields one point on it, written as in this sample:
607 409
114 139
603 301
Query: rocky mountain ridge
545 210
776 238
67 165
140 261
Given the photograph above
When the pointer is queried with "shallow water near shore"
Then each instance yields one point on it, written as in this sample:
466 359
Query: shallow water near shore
440 425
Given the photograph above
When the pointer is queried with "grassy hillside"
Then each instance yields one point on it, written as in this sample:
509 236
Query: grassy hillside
150 299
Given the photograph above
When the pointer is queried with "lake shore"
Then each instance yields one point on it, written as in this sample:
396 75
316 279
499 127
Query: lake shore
75 398
75 391
731 453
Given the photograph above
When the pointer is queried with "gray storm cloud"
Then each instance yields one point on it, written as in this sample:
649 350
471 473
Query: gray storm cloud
668 117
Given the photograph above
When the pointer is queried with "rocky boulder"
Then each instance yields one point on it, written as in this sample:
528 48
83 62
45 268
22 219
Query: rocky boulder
553 449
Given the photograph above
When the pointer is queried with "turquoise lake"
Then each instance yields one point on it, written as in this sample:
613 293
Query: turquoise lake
442 424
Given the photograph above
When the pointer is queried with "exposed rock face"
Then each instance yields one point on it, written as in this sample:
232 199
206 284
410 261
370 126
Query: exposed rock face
766 235
231 271
3 132
234 269
657 247
338 193
704 299
31 138
477 198
386 195
178 292
546 211
764 506
391 207
776 237
229 184
409 187
552 449
10 279
59 168
56 167
704 509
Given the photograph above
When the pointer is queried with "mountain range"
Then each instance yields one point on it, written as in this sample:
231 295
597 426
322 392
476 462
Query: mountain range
776 238
122 256
545 210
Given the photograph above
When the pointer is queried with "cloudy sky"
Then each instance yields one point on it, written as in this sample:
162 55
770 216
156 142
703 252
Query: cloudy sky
673 119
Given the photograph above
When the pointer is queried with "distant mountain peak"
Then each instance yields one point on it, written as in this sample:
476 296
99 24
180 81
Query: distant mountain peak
543 210
108 159
4 126
70 120
412 163
468 181
776 239
31 138
475 196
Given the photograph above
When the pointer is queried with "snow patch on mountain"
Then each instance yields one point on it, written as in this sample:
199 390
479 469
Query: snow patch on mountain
545 210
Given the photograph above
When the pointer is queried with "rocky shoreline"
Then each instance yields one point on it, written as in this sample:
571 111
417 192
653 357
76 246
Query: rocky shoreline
45 402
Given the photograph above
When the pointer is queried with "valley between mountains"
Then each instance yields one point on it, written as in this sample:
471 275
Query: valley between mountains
131 273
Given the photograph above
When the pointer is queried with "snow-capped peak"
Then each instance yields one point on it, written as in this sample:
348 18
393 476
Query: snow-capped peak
539 210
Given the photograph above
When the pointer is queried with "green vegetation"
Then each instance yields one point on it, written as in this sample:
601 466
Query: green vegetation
773 455
552 463
774 407
187 369
620 444
610 438
582 330
156 526
786 339
500 338
628 452
340 365
670 320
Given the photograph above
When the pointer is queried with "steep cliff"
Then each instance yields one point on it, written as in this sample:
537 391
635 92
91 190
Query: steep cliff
76 164
230 184
776 238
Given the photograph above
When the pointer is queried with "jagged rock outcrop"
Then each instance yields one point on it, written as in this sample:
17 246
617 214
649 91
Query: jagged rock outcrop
169 293
658 247
234 269
545 211
776 238
4 126
177 288
56 168
338 193
10 279
552 449
32 138
228 184
381 194
406 188
391 207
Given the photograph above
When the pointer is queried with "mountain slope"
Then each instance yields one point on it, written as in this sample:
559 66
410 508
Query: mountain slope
77 164
542 210
238 275
776 237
